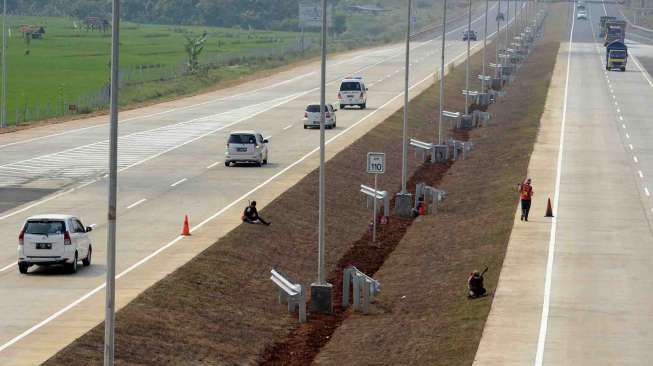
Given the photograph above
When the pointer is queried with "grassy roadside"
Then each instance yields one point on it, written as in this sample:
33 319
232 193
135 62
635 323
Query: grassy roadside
423 316
220 307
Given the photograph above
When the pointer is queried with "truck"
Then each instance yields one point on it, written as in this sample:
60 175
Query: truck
616 56
615 30
602 26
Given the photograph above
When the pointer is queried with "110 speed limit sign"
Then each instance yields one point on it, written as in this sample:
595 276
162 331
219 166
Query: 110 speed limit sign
375 163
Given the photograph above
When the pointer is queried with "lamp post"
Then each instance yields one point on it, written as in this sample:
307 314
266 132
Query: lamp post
444 34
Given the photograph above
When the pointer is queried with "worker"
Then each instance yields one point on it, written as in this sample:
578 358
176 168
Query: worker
475 284
251 216
525 194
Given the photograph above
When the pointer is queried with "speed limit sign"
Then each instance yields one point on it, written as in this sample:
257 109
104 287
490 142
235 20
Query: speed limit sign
375 163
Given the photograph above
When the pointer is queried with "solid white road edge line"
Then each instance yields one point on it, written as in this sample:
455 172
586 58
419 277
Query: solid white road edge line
173 242
546 303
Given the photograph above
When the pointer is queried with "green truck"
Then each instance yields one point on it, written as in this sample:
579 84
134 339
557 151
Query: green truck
602 26
615 30
616 56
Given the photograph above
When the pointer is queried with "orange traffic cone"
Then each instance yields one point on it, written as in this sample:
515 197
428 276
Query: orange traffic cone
185 231
549 209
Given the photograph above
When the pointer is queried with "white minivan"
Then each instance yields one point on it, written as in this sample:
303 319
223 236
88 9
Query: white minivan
352 92
246 147
54 239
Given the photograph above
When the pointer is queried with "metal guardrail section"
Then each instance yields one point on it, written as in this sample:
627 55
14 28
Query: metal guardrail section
359 282
425 148
381 196
429 196
459 147
481 118
290 292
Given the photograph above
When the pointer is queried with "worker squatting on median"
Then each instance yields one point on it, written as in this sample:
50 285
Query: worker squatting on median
525 194
251 216
475 284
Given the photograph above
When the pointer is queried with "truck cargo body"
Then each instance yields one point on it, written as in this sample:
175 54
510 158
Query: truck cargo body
602 25
615 30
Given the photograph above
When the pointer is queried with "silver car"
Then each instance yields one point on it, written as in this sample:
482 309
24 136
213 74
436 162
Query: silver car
246 147
312 116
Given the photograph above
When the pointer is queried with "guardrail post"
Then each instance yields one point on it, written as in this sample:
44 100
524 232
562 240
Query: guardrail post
346 281
366 296
356 292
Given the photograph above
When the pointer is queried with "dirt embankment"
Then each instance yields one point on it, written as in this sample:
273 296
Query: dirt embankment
220 307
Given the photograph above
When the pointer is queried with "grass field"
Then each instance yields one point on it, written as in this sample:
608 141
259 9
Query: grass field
70 66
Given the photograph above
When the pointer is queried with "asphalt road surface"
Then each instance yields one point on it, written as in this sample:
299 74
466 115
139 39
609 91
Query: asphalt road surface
171 164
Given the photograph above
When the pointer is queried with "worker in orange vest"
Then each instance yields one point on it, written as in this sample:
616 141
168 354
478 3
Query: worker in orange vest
525 194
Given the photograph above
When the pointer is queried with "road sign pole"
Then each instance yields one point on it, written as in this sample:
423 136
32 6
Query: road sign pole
444 34
376 178
109 317
321 291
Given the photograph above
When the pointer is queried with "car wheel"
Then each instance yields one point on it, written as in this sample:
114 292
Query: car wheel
72 267
227 163
305 127
22 267
87 261
623 69
265 161
259 163
364 105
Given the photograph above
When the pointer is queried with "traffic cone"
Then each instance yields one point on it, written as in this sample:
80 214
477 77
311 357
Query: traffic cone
549 209
185 231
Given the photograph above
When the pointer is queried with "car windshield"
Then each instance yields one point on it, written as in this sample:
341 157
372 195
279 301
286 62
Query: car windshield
618 54
242 139
44 227
313 108
350 86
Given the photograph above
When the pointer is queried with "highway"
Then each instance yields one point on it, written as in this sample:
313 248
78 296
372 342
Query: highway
171 164
575 290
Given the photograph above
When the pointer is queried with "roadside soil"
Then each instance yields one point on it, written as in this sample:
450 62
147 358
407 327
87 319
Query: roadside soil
220 308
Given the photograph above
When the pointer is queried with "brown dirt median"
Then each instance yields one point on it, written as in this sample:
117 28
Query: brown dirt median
220 307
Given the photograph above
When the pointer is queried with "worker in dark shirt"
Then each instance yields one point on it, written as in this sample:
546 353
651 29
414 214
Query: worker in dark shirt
475 283
251 216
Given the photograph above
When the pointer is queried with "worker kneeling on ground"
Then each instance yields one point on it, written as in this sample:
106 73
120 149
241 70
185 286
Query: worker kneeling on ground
251 216
475 283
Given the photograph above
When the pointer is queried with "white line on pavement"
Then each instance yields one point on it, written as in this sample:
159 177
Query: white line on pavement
623 125
287 127
646 191
178 182
635 159
136 203
544 321
630 146
621 118
627 136
7 267
641 175
212 165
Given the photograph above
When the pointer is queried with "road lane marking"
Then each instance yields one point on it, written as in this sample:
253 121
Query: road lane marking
627 135
630 146
178 182
623 125
173 242
287 127
8 267
615 103
212 165
546 302
621 118
136 203
647 192
641 175
635 159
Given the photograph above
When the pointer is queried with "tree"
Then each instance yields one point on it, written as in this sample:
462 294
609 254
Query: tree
194 47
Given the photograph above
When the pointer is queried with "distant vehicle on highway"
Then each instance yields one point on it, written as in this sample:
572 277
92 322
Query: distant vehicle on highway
312 116
54 240
616 56
581 5
352 92
581 15
471 35
500 17
246 147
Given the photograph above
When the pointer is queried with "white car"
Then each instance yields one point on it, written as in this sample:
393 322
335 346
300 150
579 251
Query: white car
54 239
246 147
581 15
352 92
312 116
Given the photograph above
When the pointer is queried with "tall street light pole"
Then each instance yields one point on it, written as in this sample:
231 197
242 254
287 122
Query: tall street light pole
109 317
469 42
498 40
487 7
444 34
321 291
3 102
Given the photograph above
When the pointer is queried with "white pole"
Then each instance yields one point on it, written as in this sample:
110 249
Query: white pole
469 42
404 146
498 40
444 33
487 7
374 208
321 276
109 320
3 103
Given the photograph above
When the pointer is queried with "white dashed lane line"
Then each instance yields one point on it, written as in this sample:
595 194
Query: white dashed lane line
212 165
630 146
178 182
641 175
136 203
647 192
287 127
623 125
627 135
635 159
